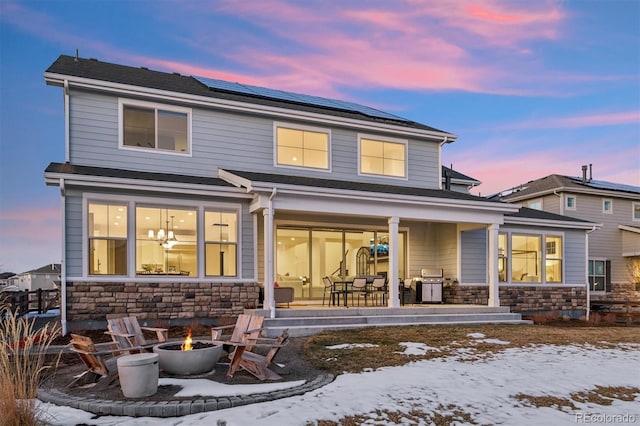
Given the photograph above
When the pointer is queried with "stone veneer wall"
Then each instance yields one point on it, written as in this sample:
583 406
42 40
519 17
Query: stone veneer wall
619 291
527 300
175 303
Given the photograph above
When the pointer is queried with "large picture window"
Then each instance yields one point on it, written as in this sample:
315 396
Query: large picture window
383 157
166 241
221 251
107 232
149 126
302 147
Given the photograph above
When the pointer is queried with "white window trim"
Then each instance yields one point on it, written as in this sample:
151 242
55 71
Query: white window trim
575 202
634 206
601 259
405 142
156 106
604 202
301 127
543 271
132 203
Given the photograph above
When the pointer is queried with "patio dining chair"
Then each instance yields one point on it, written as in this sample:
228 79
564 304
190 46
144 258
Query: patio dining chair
359 288
329 288
379 287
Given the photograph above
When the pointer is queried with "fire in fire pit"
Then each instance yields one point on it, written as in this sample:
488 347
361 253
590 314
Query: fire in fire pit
188 358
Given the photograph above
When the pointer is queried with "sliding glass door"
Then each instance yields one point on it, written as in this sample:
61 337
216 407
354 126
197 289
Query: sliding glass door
305 255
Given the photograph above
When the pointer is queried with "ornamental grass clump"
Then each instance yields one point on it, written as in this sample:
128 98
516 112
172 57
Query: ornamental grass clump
22 367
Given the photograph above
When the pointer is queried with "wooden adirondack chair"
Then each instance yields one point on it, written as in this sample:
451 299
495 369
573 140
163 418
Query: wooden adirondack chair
127 333
254 363
246 324
99 369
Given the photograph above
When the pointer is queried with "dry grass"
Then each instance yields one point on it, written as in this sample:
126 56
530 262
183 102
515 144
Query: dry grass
22 366
387 350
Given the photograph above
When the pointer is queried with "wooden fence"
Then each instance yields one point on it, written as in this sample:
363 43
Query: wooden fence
36 301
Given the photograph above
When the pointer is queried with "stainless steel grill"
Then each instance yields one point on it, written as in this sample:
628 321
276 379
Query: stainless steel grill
429 286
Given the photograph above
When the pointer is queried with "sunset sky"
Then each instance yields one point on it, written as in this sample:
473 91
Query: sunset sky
531 88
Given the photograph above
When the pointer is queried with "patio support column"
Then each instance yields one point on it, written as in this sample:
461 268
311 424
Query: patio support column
269 301
492 264
392 276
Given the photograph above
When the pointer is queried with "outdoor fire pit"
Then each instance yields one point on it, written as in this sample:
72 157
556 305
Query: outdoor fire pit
188 358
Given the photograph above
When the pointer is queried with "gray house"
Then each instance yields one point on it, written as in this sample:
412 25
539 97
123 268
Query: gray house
614 248
184 197
46 277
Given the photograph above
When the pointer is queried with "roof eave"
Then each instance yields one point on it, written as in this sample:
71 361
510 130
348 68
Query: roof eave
268 187
72 179
56 79
512 220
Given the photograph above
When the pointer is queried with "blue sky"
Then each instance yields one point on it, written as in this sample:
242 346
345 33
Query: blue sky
531 88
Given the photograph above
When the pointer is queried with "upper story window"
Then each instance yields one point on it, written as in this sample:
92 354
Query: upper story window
570 202
158 127
383 156
535 204
636 212
607 206
302 146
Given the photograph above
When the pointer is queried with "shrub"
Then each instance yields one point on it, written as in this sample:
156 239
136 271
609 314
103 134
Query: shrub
22 367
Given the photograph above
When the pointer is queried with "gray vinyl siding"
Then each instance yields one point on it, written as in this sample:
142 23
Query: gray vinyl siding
73 226
552 203
231 141
574 261
473 256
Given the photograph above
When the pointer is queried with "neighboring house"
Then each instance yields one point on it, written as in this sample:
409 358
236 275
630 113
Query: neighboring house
45 277
614 248
455 181
183 196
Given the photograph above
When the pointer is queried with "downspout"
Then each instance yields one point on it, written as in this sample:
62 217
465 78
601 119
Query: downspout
63 262
270 270
586 272
555 192
444 140
67 130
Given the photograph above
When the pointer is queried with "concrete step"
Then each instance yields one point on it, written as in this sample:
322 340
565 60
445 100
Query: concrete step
306 326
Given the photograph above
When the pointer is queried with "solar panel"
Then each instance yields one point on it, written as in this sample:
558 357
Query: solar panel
296 97
600 184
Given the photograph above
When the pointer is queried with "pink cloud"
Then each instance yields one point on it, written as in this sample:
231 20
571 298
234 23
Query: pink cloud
410 46
498 173
30 237
591 120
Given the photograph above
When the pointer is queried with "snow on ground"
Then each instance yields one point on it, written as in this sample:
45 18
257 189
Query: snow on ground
484 389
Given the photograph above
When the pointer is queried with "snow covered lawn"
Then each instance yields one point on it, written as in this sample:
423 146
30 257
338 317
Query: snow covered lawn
532 385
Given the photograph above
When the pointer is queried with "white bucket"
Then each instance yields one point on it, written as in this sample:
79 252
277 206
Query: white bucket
138 374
